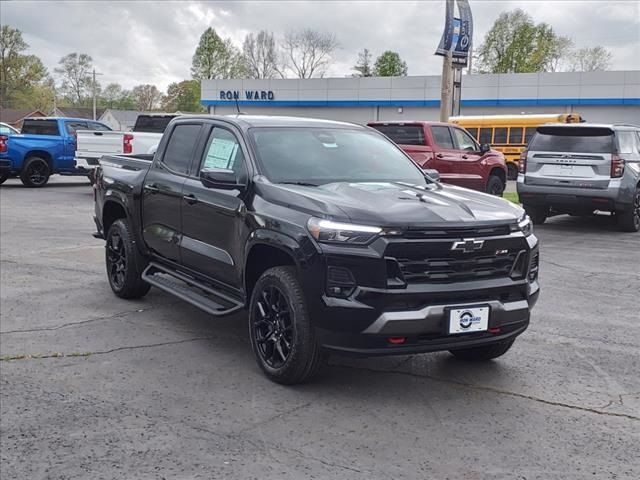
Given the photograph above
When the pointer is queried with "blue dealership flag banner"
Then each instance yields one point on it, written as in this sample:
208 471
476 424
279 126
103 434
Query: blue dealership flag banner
458 32
465 34
446 42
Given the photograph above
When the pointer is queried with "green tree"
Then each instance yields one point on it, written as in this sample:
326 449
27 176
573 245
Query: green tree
217 58
590 59
19 73
515 44
74 72
363 67
389 64
182 96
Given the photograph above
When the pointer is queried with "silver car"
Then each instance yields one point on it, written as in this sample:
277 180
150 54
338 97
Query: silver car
580 168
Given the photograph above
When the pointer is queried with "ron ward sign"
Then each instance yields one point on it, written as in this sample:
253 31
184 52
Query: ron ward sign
246 95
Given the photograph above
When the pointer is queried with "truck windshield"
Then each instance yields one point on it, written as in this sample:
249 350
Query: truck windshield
40 127
316 156
573 140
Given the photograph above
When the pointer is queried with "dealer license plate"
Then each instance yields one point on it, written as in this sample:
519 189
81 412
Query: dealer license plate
468 319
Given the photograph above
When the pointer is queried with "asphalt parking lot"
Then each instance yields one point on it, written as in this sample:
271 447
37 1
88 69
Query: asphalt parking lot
97 387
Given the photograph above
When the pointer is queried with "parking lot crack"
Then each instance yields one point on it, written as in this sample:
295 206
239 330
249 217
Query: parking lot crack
499 391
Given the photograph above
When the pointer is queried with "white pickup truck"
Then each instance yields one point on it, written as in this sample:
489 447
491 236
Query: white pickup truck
143 139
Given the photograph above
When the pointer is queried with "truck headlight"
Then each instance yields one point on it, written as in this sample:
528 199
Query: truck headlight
336 232
524 225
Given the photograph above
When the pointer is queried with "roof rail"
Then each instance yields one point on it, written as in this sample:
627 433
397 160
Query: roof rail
626 125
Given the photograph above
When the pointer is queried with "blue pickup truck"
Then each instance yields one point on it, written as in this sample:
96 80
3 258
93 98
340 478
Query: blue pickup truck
45 146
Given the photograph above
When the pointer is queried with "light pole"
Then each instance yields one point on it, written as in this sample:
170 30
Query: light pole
94 92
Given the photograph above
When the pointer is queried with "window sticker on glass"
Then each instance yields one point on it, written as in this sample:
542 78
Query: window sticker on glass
221 154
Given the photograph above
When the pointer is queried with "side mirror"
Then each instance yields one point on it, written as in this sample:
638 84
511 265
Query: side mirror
220 178
484 148
432 173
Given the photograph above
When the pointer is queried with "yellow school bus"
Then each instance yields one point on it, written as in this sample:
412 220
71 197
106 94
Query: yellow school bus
509 133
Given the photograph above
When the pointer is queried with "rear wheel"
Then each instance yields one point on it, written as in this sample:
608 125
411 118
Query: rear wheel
282 335
537 213
495 186
124 263
482 354
629 220
3 177
35 173
512 171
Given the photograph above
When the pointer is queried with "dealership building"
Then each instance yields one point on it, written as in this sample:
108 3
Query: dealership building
612 97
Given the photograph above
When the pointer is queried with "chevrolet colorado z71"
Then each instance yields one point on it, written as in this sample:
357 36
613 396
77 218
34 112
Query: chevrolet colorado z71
326 232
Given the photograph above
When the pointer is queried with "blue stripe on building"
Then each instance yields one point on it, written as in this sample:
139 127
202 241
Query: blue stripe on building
507 102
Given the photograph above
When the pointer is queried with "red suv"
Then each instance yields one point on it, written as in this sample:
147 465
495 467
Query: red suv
450 150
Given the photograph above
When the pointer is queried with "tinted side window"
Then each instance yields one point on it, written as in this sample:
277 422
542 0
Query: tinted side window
515 135
179 150
73 126
500 136
403 134
40 127
485 135
98 126
463 140
223 151
442 136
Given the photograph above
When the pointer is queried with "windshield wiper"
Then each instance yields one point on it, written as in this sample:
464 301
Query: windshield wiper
302 184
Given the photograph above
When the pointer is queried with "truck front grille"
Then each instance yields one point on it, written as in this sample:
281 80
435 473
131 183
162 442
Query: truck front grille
463 268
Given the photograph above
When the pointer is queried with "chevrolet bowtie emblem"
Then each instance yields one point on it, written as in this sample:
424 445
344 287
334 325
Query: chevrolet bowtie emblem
468 245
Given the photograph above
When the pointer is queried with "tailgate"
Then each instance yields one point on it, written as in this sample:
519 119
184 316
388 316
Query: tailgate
570 157
94 143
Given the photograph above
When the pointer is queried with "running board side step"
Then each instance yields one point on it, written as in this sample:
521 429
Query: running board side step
190 290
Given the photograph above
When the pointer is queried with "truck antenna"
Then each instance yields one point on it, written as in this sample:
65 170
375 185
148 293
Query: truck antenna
235 97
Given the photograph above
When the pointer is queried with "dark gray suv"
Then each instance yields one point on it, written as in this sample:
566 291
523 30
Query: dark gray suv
580 168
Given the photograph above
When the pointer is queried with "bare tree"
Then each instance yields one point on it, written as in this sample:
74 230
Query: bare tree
308 52
261 55
591 59
75 72
146 97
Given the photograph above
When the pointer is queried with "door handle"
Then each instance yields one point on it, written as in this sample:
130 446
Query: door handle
191 199
439 155
151 188
465 156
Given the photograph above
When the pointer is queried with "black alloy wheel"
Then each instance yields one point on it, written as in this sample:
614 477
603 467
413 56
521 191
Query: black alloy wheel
273 326
116 260
495 186
35 173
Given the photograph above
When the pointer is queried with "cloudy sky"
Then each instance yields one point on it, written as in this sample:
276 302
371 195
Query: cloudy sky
153 42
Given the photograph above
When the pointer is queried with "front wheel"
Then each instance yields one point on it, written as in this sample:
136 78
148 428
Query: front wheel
482 354
124 263
282 335
629 220
35 173
495 186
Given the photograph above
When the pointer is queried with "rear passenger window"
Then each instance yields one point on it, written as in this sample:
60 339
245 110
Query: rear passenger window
179 150
442 136
529 132
485 135
40 127
500 136
515 135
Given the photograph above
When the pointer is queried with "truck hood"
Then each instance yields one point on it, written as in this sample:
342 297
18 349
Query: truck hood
393 204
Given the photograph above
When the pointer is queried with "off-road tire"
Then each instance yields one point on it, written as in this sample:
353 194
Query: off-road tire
537 213
35 172
304 357
629 220
484 353
125 279
495 186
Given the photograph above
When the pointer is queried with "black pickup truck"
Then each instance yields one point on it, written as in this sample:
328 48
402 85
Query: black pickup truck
326 232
